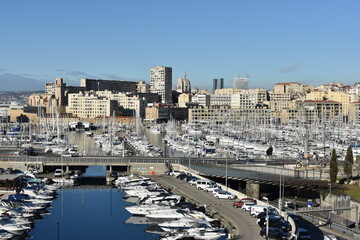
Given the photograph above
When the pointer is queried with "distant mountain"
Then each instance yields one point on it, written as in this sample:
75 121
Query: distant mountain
16 82
16 96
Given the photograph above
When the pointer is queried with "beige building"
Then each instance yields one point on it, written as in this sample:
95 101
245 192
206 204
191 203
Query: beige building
131 102
220 115
291 87
277 97
43 100
227 91
142 87
90 105
341 97
354 110
319 110
183 99
156 112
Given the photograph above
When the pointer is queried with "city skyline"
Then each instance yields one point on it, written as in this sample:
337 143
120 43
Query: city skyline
311 43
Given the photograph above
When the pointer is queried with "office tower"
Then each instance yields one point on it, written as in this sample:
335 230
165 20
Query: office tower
221 83
218 84
161 82
214 84
241 83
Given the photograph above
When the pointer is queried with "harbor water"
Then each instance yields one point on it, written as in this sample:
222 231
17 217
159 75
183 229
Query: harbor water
91 214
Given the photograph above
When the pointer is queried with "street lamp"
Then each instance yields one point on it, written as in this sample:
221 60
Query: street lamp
330 198
226 173
267 217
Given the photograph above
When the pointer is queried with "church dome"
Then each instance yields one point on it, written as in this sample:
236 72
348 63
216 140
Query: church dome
184 85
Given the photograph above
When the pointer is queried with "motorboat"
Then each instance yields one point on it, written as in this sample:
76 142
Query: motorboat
185 223
194 233
12 228
163 199
176 214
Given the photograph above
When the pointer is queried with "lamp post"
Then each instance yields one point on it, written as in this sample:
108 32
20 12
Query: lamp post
295 202
226 174
330 199
267 217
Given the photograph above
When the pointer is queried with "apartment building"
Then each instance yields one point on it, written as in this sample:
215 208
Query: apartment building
227 91
290 87
142 87
161 82
201 99
220 100
341 97
90 105
354 110
220 115
132 103
320 110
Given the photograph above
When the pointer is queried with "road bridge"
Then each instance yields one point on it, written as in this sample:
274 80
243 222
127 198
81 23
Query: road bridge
255 181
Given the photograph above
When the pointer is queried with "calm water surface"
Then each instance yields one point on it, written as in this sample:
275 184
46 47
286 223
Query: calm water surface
96 213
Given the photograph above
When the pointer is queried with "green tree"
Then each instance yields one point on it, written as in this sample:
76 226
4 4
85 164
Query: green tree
333 167
348 163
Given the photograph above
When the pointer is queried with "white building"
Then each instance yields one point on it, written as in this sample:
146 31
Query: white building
202 99
241 83
220 100
161 82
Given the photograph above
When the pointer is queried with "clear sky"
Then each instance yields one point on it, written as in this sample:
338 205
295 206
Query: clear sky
309 41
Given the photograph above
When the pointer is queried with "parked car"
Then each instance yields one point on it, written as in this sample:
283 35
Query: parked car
193 180
201 184
330 237
8 170
17 172
263 214
174 173
274 233
58 173
256 209
303 234
240 203
276 222
224 195
247 206
184 176
242 158
295 217
211 188
216 191
2 170
114 174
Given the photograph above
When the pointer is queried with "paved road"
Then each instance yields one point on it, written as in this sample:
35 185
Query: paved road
246 227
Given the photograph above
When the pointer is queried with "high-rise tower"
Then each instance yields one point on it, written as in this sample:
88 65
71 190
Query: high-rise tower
161 82
241 83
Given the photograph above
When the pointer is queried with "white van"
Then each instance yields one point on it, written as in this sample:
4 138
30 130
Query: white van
58 173
202 184
256 209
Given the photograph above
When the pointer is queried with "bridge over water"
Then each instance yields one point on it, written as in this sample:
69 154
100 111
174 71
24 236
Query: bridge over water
252 179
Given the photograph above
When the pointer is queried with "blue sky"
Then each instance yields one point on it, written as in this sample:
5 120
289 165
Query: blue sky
312 42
